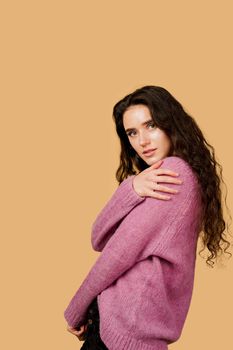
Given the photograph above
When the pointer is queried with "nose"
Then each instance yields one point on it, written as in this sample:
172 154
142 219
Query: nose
144 139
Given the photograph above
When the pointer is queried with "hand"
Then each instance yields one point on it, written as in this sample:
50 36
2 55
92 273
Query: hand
80 333
146 182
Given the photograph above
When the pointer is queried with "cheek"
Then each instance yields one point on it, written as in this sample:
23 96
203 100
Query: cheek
162 136
164 140
167 142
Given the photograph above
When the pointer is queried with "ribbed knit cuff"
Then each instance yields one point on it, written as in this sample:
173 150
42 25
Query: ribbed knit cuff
119 341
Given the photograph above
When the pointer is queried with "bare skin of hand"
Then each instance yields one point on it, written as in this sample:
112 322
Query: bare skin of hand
146 182
79 333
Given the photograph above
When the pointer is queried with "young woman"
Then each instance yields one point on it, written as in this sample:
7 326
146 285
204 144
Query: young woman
137 294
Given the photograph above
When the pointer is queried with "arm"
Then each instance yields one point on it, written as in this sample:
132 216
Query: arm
120 204
134 240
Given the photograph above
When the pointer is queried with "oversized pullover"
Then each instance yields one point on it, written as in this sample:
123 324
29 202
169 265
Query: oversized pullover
143 278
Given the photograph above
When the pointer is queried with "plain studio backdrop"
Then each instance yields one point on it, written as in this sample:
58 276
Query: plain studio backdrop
64 64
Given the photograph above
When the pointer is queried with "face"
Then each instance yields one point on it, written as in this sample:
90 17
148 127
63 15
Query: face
143 134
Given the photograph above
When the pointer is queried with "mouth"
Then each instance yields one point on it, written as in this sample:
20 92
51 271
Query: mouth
149 152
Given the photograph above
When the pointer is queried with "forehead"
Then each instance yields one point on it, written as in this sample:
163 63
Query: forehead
136 114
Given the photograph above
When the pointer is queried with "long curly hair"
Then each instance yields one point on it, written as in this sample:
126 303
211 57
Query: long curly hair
188 143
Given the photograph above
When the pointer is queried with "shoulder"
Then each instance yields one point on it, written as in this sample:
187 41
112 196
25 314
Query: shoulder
183 203
189 189
181 166
176 161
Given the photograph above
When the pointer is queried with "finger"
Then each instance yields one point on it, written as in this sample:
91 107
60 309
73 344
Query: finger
154 166
70 329
81 331
83 335
75 331
156 195
84 329
165 189
166 171
168 179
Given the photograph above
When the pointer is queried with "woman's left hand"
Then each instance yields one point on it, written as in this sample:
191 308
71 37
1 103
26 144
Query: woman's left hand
79 333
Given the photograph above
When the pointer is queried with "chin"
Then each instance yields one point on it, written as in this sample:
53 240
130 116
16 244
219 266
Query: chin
155 159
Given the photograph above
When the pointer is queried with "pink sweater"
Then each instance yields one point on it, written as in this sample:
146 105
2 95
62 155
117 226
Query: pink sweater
143 278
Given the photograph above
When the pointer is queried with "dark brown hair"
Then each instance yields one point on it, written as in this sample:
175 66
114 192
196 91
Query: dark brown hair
188 143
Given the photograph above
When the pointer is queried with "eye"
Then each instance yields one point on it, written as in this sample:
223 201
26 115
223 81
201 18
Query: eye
151 124
130 133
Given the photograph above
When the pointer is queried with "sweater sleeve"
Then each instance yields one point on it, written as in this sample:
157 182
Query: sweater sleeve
123 200
143 231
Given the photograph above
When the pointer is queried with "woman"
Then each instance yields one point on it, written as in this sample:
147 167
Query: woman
138 293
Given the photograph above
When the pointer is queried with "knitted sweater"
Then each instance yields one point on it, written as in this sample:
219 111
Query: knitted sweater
143 278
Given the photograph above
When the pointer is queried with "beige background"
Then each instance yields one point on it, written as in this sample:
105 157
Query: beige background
64 64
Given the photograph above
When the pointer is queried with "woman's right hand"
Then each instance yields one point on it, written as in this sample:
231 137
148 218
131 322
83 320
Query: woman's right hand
146 182
80 332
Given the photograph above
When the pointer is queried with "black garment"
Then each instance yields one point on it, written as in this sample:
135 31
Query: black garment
92 337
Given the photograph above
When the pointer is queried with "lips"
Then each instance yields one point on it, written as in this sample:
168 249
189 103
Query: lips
149 150
148 153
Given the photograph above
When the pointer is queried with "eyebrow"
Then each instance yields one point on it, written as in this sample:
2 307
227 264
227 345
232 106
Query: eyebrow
146 122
